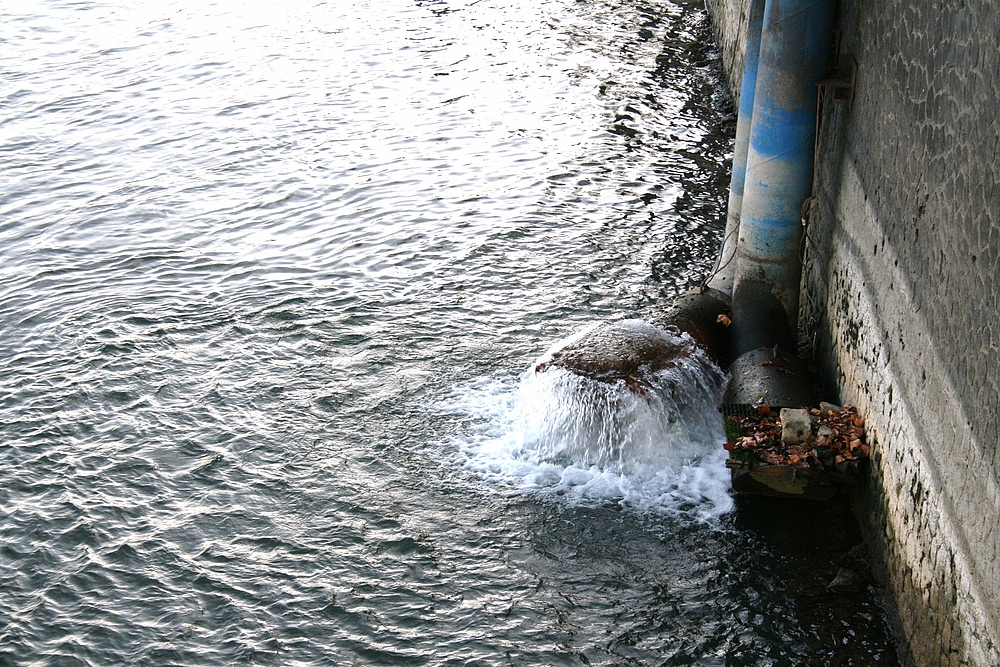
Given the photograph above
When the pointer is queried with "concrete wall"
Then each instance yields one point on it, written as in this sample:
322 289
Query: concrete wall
901 297
729 19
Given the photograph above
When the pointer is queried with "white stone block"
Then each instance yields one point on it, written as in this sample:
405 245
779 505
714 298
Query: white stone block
796 425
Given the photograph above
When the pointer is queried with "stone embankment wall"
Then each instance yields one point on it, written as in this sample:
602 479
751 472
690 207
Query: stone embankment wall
901 300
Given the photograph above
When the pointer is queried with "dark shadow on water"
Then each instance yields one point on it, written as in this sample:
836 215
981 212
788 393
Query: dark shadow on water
799 527
817 561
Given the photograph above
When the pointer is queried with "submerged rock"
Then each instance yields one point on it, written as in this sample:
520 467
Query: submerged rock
846 581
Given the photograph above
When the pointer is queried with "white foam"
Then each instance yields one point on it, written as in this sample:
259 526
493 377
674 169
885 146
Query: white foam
592 442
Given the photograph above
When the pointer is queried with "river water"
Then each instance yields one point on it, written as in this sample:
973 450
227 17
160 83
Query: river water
272 280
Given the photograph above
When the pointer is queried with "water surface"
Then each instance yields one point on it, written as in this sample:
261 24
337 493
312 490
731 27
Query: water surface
270 274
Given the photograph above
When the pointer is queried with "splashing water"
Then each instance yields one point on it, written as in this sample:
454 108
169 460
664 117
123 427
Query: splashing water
593 442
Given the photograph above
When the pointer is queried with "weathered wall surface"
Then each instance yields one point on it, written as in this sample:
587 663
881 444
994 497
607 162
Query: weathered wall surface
901 293
729 19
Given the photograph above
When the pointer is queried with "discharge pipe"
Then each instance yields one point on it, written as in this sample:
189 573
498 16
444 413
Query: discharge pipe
794 50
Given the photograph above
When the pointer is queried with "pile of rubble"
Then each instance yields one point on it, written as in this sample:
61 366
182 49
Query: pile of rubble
827 438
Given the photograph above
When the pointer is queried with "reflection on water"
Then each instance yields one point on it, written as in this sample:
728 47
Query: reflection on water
269 273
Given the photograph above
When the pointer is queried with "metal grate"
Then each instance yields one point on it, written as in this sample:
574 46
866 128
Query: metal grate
728 410
737 409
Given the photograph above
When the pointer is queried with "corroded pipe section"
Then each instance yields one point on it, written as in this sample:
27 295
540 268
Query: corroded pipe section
621 350
703 314
765 369
631 350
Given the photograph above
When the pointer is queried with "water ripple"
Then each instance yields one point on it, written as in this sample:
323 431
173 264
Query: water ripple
247 250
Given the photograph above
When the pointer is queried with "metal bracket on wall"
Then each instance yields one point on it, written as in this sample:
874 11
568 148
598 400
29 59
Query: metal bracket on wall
841 79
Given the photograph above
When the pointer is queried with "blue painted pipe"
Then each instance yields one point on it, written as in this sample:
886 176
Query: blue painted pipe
794 49
725 268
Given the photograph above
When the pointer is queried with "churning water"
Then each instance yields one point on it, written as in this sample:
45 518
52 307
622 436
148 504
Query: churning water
272 279
559 433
